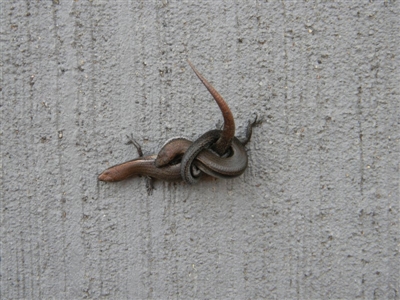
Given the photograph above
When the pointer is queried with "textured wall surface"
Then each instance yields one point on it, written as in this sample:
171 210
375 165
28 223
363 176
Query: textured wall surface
316 214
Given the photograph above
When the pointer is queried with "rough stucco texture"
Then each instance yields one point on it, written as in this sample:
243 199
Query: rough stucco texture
316 214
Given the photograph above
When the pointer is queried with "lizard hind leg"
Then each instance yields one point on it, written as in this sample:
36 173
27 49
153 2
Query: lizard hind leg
249 129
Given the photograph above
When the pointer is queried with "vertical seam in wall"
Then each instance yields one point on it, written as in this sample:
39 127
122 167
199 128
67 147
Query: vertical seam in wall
62 208
30 149
360 135
29 199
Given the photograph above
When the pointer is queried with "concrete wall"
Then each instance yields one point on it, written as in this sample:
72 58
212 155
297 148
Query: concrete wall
316 214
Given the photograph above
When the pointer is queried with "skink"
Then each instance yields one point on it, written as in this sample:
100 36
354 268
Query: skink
162 166
141 166
209 162
231 165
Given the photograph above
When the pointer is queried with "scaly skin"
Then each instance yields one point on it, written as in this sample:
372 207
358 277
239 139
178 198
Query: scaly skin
208 162
228 132
141 166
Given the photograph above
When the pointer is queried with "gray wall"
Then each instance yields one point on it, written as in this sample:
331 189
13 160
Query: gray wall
316 214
